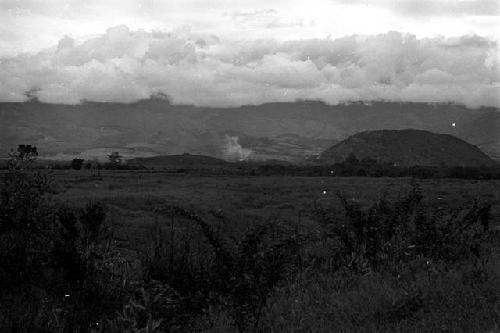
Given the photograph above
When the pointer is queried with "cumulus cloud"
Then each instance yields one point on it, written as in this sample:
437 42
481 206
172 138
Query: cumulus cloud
267 18
434 7
447 7
124 65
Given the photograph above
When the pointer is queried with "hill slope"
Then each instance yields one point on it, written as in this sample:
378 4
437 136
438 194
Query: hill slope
274 130
408 147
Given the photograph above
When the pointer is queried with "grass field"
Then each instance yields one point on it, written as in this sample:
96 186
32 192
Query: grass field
316 285
254 199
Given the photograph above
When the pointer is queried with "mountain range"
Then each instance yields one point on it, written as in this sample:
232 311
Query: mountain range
288 131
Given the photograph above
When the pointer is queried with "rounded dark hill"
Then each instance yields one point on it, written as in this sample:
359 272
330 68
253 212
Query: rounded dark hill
189 161
408 147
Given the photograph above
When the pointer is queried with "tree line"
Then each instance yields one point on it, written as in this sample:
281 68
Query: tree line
352 166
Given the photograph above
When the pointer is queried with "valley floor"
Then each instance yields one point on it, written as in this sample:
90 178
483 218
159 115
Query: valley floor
259 197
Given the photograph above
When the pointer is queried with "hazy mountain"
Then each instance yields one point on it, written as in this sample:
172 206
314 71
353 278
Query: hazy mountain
408 147
287 131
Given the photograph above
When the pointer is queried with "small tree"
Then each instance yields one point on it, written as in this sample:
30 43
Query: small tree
24 218
115 157
22 157
76 163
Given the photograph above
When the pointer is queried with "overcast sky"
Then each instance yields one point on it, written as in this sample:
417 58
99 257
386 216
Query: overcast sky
233 52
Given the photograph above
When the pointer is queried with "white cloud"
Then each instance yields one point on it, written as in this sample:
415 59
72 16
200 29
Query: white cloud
32 25
125 65
445 7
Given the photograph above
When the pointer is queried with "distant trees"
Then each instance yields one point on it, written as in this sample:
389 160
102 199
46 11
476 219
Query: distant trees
76 163
353 166
115 158
23 155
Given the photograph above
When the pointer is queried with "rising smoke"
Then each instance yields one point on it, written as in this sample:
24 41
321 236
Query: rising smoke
233 151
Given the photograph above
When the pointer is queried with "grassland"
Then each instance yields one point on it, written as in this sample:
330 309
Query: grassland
248 199
306 288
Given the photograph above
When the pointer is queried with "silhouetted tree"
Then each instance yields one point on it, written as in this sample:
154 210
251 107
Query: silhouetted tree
115 157
24 152
76 163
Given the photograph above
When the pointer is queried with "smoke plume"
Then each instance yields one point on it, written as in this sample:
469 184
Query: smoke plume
233 151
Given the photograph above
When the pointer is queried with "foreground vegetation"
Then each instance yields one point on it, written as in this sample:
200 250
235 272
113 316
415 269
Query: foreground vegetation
398 264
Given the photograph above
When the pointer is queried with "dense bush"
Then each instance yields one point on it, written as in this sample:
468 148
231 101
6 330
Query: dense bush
24 221
239 276
390 234
76 163
59 260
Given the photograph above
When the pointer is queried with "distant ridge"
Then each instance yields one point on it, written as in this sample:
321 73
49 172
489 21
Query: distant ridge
286 130
177 161
408 147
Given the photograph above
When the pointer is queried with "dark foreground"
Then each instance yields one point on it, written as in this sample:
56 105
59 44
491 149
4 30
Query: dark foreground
135 251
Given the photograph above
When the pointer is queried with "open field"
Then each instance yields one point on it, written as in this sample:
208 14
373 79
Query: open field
275 192
257 196
132 196
288 254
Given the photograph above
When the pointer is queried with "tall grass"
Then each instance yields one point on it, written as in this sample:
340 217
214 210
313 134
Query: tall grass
58 268
397 265
240 275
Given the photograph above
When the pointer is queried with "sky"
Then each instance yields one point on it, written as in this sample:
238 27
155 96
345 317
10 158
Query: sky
233 52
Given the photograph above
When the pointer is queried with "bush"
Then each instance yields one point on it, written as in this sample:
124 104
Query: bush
76 163
387 235
62 258
239 277
25 223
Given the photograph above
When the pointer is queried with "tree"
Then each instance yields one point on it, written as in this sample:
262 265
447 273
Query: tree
76 163
24 219
22 157
115 157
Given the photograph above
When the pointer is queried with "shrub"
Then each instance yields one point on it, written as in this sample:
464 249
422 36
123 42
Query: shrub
88 271
386 235
76 163
25 222
61 257
239 277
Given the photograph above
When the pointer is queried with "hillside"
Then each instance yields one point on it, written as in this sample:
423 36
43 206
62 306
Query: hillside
287 131
408 147
177 161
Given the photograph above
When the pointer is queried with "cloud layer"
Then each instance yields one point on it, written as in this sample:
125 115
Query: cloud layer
202 69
